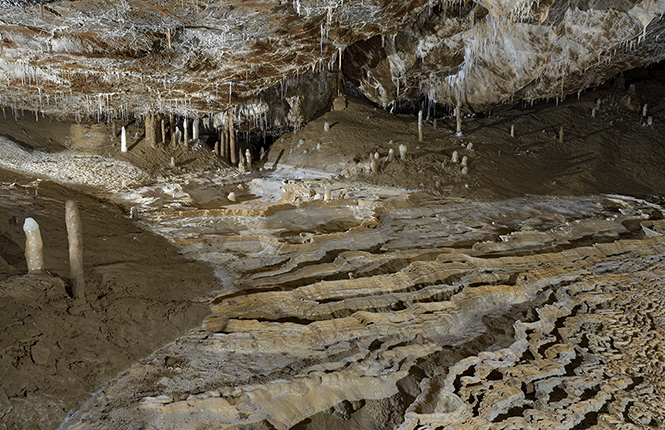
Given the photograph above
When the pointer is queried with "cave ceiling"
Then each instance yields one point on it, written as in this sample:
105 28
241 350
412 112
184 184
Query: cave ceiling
106 59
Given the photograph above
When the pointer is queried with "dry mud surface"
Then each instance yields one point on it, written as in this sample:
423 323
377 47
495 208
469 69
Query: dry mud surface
414 298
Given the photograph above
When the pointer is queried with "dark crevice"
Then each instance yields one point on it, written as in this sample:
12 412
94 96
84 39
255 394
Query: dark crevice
557 394
574 364
478 401
458 380
516 411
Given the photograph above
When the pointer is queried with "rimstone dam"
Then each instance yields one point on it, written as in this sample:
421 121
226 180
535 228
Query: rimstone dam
332 214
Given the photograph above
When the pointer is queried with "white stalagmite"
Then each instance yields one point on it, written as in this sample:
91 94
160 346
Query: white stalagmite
232 196
402 152
123 140
593 113
373 165
178 136
172 162
195 129
469 146
455 157
34 253
327 195
185 132
644 110
420 126
512 130
75 237
241 162
391 155
326 127
465 170
248 159
464 162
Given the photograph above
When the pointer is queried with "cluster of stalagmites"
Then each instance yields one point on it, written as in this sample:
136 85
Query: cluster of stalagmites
167 132
372 315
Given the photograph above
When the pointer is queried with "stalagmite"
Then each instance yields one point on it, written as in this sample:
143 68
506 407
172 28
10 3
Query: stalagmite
123 140
391 155
195 129
185 133
241 162
512 130
455 157
458 117
172 162
75 237
262 153
248 159
34 255
177 136
216 149
593 113
172 131
402 152
163 132
465 170
327 195
224 145
232 140
373 165
561 134
469 146
644 110
150 135
465 161
326 127
420 126
232 196
434 124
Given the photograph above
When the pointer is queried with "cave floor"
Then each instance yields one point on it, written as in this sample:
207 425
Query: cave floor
524 294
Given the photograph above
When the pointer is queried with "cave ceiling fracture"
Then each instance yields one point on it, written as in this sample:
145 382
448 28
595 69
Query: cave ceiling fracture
104 59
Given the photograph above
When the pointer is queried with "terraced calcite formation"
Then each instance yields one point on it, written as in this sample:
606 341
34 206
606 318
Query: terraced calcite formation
541 312
278 62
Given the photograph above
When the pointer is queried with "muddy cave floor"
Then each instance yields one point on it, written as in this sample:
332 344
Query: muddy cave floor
150 282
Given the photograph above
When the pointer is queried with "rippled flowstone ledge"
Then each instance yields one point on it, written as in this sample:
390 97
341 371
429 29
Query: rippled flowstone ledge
380 309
